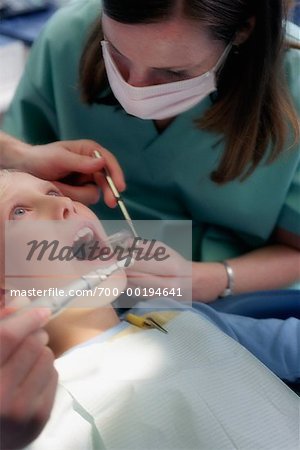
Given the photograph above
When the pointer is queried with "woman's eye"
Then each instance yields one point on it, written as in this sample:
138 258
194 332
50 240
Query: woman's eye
177 75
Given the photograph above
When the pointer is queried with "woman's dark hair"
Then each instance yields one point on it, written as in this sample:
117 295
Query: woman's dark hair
253 107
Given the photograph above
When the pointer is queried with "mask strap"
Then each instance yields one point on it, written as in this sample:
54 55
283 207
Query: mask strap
223 57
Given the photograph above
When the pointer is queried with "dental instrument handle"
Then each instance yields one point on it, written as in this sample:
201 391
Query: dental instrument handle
85 282
117 196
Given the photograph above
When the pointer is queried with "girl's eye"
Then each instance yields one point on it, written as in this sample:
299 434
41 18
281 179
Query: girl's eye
54 193
18 212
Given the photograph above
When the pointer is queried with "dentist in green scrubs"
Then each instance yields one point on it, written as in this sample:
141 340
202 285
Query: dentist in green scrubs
199 103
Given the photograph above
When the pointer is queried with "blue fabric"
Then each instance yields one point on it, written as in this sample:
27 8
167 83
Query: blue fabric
26 28
275 342
296 17
280 304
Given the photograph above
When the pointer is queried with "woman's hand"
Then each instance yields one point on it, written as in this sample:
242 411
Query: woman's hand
159 269
71 164
28 377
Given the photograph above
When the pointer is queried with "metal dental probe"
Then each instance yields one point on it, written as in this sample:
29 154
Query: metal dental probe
118 197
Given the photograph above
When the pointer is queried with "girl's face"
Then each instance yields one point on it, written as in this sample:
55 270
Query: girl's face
149 54
25 197
37 211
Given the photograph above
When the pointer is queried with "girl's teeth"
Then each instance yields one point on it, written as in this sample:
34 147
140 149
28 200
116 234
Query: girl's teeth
85 234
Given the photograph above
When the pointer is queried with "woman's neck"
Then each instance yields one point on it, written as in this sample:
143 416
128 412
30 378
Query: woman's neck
77 325
162 124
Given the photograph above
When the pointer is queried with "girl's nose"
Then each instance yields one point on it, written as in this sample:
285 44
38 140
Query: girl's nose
60 208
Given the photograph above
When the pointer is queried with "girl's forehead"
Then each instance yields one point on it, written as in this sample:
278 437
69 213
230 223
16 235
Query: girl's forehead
16 183
18 179
5 178
8 177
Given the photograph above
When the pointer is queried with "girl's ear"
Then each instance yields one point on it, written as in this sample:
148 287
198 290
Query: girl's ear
244 31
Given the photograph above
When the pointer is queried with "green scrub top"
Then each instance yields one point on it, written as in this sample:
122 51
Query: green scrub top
167 174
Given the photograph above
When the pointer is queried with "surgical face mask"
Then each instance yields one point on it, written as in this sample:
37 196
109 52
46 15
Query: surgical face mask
160 101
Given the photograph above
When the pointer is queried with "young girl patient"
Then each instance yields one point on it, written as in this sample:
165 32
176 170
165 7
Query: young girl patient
123 387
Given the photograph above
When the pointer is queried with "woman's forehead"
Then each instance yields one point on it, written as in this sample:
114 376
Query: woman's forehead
178 41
